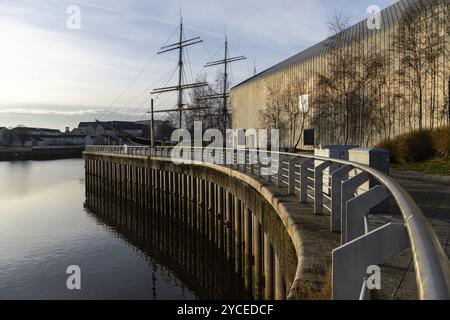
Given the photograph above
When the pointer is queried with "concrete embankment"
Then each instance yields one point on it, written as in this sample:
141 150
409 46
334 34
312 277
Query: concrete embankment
42 153
301 240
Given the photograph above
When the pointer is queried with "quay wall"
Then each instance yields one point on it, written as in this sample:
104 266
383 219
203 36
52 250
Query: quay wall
278 246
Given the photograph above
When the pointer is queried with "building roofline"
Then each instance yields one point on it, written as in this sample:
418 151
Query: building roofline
391 17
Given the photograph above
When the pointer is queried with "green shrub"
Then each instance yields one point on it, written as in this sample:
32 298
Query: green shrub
415 146
391 146
418 145
441 141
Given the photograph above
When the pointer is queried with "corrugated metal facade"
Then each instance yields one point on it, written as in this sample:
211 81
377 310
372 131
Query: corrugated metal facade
249 98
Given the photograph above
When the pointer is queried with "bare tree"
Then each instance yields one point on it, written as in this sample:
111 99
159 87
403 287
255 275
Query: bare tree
208 109
270 116
419 45
342 87
295 117
282 111
444 110
445 16
384 102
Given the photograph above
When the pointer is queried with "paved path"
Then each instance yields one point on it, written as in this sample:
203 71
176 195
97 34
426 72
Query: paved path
432 194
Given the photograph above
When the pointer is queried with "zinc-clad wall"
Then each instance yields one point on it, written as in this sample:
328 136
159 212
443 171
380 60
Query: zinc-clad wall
250 97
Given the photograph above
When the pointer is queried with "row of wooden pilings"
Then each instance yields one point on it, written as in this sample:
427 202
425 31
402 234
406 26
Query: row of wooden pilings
219 215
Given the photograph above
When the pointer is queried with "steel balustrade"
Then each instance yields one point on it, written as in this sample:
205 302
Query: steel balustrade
337 193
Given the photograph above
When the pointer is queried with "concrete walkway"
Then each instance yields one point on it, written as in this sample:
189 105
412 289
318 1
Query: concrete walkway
432 194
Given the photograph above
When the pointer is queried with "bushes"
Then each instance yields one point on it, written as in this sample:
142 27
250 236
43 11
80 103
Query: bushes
419 145
416 146
391 146
441 141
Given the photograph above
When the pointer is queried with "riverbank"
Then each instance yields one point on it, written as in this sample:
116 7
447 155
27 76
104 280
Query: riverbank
40 153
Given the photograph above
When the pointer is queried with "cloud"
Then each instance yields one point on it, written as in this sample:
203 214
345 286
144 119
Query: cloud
42 62
47 66
125 12
49 112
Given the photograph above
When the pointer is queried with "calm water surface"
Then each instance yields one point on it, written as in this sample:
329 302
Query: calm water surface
44 228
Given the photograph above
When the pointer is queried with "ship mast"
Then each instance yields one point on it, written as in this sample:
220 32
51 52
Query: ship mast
225 93
180 87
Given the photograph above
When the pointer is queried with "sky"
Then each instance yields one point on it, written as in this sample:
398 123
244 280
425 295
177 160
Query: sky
52 75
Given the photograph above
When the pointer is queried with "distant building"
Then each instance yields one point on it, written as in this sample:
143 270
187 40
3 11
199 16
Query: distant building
87 133
35 137
39 137
105 128
99 133
5 136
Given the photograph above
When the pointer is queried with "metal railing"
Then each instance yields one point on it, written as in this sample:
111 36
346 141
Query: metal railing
334 187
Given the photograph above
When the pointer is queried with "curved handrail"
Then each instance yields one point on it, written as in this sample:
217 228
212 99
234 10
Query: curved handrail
431 263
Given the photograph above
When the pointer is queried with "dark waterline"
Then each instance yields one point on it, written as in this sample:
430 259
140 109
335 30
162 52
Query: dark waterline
162 227
44 228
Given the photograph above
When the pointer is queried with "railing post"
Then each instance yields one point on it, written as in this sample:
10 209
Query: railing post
250 162
267 166
241 155
253 160
350 261
291 174
365 292
318 186
336 178
304 167
280 171
348 190
233 159
357 209
246 156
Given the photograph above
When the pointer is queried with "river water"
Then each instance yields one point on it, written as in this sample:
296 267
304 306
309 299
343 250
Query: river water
45 228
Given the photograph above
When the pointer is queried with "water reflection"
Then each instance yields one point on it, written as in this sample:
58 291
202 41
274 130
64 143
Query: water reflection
206 235
44 229
165 237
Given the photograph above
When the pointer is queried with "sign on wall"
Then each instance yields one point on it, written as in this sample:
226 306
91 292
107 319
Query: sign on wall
303 103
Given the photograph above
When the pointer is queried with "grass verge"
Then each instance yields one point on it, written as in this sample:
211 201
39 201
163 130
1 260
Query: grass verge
434 166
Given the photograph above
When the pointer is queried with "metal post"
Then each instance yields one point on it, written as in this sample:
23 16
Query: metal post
152 127
304 171
337 177
318 187
291 174
180 76
350 261
225 85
